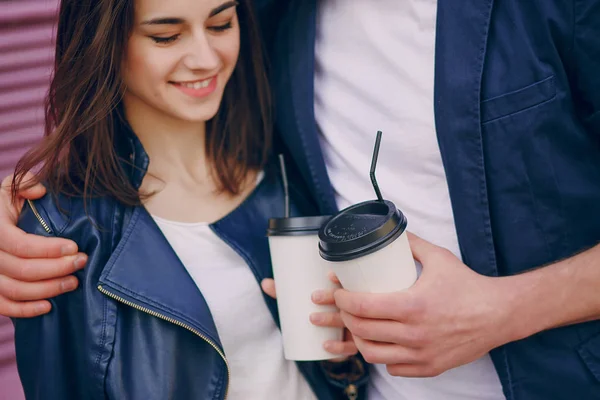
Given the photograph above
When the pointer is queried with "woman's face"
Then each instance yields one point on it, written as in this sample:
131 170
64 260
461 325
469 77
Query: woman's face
180 55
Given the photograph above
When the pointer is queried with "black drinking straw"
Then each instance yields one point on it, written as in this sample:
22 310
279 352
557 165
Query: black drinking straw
286 191
374 164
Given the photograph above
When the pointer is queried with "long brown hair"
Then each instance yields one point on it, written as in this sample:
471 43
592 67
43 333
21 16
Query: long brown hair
83 114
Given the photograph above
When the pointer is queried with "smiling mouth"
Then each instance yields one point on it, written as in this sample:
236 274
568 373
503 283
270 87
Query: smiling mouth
195 84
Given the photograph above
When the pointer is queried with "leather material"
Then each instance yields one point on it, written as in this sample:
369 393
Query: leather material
138 327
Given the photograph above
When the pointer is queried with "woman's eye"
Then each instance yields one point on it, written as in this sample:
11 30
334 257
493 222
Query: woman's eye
164 40
221 28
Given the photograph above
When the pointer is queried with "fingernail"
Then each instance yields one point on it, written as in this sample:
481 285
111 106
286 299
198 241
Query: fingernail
327 345
68 249
80 262
318 295
42 308
68 285
316 318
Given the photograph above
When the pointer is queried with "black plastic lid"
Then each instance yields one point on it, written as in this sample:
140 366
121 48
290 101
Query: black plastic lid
361 229
296 226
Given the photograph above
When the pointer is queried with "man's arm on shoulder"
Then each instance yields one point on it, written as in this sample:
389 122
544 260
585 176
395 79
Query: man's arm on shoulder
32 268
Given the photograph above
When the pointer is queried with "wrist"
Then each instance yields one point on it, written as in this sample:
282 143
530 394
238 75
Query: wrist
533 300
507 325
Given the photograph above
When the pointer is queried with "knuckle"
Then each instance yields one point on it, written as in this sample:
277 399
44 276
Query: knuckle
414 307
362 307
7 288
418 337
358 327
25 271
444 255
12 291
430 370
370 356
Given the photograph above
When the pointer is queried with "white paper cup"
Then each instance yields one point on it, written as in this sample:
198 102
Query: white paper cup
367 247
299 271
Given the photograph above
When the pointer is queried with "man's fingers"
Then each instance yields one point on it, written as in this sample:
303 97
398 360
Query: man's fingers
345 348
29 309
268 286
24 245
327 319
377 329
385 353
27 291
420 248
38 269
371 305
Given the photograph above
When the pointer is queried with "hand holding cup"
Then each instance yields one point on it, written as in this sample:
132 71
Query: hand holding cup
343 348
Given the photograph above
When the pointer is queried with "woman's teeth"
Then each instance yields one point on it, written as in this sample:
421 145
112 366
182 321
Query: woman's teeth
197 85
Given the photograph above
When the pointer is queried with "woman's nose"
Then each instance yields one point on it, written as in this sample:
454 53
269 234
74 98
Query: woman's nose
200 54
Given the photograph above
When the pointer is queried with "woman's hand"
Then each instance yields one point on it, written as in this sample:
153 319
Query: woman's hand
343 348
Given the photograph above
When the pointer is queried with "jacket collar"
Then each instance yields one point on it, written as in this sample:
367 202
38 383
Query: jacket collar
144 272
133 158
462 33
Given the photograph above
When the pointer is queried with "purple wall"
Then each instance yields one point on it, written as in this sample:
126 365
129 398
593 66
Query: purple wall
26 50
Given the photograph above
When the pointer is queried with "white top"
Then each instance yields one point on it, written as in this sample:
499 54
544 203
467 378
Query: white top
375 71
250 338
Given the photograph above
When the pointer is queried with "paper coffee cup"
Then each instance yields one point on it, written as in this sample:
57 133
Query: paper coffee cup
367 247
299 271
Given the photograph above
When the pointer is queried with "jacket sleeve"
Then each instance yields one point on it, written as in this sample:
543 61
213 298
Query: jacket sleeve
54 358
586 51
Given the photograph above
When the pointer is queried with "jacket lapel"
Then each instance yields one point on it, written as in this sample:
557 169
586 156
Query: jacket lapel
462 31
298 52
146 273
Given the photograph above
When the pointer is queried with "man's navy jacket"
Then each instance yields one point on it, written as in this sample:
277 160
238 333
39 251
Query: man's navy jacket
517 112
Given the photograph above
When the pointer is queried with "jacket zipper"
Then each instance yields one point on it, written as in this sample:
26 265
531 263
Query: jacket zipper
351 391
175 322
143 309
39 217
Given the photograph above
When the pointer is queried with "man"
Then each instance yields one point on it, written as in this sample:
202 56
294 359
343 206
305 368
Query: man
493 157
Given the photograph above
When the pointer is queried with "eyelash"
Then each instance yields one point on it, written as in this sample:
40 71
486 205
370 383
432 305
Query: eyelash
221 28
165 40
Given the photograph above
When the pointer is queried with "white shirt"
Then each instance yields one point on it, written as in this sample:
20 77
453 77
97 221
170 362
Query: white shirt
250 338
375 71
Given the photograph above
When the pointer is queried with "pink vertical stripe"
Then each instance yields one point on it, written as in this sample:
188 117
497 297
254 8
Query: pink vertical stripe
26 53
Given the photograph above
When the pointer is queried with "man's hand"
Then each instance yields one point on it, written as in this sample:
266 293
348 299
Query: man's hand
32 268
449 317
343 348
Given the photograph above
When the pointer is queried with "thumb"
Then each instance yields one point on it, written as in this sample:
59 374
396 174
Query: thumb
268 286
420 247
29 187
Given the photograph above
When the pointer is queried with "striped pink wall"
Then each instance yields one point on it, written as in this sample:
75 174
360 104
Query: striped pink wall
26 50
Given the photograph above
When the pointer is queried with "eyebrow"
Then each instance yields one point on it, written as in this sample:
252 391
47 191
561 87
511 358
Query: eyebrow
179 21
222 8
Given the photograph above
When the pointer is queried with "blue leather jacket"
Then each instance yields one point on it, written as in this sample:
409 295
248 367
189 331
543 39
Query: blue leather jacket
138 327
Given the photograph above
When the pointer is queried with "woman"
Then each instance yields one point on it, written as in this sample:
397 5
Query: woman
157 159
